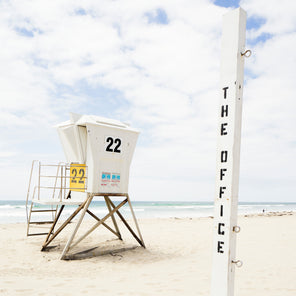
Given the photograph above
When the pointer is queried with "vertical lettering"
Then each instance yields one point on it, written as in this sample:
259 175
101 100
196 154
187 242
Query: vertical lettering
222 173
224 111
224 155
221 211
221 191
223 129
225 93
219 228
220 246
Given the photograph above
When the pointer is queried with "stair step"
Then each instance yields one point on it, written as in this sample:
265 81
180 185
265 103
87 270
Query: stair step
42 222
41 233
35 211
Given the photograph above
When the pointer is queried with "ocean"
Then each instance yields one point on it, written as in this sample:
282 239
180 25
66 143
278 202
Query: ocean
14 211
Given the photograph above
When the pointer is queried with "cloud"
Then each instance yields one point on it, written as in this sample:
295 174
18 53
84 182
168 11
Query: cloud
156 65
278 17
269 141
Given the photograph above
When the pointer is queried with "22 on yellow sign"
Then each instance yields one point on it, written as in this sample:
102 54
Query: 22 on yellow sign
77 177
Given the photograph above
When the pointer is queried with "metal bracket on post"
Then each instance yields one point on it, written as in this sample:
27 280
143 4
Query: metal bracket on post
238 263
247 53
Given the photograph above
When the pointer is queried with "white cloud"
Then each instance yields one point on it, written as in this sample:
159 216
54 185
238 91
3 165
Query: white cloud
278 16
269 143
166 77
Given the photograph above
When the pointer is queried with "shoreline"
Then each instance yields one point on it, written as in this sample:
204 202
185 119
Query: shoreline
15 211
259 214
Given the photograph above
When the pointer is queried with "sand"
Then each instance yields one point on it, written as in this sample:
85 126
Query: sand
177 260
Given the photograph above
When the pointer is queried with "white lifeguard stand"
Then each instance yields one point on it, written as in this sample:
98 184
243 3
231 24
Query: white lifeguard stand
104 146
99 152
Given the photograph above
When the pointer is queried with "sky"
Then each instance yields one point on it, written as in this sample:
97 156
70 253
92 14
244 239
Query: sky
155 65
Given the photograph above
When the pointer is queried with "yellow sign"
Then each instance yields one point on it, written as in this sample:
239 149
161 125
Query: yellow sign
77 177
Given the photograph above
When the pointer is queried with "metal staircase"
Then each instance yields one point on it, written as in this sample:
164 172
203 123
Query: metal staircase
47 183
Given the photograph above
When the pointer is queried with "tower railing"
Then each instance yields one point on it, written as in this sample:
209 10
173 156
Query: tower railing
49 185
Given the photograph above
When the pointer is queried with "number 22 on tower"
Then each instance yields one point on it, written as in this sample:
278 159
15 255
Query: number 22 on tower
77 177
113 144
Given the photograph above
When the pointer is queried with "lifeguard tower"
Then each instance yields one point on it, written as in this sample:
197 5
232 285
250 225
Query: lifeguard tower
99 152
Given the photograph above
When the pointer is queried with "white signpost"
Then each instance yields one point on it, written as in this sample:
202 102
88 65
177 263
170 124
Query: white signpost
228 153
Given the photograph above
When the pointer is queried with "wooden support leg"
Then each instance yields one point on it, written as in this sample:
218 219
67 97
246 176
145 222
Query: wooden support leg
99 223
112 216
139 240
62 226
53 225
135 220
85 208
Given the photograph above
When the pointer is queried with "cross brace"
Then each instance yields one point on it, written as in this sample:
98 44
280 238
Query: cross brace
84 208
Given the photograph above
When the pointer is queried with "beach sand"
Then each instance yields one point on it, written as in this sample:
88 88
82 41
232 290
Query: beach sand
177 260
